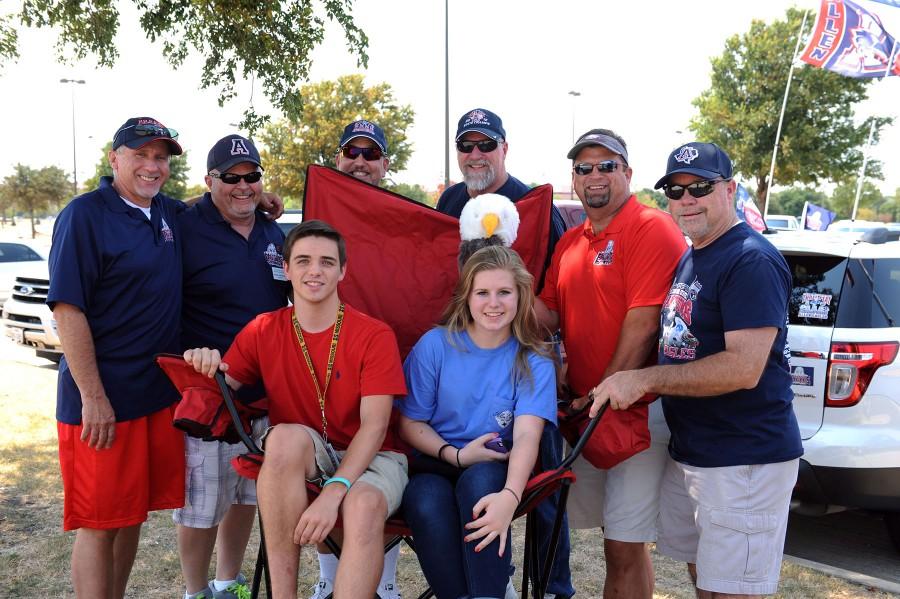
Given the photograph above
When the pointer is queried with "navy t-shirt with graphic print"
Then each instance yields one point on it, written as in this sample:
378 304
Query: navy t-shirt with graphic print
740 281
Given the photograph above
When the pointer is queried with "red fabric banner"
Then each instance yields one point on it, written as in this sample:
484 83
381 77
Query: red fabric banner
401 255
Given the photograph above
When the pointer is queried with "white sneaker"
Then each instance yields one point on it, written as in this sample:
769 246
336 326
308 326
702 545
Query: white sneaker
324 588
510 591
388 590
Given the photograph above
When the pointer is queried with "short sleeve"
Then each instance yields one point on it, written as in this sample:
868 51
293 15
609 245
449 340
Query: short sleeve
652 261
243 355
551 277
755 293
382 373
537 396
422 371
75 262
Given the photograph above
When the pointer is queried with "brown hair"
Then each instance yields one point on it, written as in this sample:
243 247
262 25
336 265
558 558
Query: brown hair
314 228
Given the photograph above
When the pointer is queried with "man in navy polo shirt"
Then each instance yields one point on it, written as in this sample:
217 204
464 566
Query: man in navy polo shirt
232 272
481 153
726 388
115 292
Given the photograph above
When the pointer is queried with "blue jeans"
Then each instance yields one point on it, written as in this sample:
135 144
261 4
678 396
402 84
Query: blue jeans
436 510
550 455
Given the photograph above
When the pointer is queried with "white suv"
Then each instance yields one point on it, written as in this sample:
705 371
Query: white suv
27 319
844 335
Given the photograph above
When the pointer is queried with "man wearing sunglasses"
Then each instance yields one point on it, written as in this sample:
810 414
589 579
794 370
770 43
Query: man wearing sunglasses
725 383
231 255
363 152
115 292
603 291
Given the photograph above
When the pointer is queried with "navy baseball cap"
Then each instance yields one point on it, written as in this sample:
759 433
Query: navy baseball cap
141 130
598 137
367 129
697 158
481 121
231 150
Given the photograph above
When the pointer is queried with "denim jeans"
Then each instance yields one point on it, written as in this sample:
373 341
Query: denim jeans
436 511
551 455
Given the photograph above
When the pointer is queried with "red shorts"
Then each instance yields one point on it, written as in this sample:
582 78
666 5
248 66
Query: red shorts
142 472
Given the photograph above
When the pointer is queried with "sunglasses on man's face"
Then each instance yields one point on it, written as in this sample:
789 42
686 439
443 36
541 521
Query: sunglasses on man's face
697 189
234 178
606 166
484 145
368 154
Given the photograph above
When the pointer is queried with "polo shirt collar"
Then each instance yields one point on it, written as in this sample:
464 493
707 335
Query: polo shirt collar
210 213
618 221
114 201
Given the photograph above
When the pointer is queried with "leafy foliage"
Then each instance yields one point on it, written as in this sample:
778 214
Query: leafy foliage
266 40
176 187
844 195
653 198
739 111
791 200
34 191
412 191
312 137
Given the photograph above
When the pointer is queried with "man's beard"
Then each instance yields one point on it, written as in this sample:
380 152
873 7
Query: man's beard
481 179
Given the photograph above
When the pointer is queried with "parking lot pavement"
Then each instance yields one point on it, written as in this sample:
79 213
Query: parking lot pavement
854 543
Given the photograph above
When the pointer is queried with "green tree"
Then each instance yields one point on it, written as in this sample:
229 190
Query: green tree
652 197
176 186
412 191
35 190
791 200
270 41
842 199
312 137
739 111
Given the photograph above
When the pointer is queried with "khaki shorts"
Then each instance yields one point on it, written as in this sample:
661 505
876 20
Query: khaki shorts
212 485
387 472
624 500
729 521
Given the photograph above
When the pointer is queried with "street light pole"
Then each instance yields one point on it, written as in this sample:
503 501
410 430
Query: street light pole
574 95
74 82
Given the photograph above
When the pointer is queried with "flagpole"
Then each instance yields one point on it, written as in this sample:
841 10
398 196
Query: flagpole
787 90
861 179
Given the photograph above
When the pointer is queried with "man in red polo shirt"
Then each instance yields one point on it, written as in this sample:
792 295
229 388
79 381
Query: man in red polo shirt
331 374
604 289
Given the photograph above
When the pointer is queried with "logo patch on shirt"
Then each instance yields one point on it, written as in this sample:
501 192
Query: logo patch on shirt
166 232
504 418
273 255
605 256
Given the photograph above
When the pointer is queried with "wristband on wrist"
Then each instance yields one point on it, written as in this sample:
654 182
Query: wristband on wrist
337 479
458 464
441 450
513 494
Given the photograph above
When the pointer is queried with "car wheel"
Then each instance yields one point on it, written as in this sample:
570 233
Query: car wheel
892 521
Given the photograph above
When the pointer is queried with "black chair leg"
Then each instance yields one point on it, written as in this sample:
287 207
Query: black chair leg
262 564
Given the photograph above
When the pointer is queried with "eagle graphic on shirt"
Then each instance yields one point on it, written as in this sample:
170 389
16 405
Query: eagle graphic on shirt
677 341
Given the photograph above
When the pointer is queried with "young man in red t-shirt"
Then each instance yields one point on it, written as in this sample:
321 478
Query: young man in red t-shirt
330 374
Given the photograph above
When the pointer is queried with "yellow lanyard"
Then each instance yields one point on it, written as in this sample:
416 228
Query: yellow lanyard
320 393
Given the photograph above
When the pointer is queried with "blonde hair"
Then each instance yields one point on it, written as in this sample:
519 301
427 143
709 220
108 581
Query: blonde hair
524 327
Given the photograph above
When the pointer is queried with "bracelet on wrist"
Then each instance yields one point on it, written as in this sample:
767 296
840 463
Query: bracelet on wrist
513 494
458 464
337 479
441 451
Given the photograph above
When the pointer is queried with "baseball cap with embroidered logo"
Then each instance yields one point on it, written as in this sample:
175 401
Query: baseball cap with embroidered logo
700 159
364 128
481 121
139 131
231 150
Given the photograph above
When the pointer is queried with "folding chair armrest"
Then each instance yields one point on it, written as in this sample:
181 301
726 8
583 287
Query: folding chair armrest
584 438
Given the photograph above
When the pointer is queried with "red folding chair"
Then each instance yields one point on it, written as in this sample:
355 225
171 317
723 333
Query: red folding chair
536 568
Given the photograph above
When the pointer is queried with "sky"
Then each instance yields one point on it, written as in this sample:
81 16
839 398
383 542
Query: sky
637 66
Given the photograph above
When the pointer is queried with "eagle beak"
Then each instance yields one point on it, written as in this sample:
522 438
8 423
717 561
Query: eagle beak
490 221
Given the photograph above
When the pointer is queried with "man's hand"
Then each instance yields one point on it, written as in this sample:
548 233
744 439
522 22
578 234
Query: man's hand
496 511
205 361
318 519
98 422
475 452
272 205
620 389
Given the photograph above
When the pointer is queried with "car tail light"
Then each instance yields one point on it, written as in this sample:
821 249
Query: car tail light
851 368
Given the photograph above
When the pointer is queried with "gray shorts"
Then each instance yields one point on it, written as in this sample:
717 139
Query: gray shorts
211 484
624 500
387 472
729 521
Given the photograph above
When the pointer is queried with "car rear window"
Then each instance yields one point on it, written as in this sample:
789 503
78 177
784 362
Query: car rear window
16 252
816 289
871 294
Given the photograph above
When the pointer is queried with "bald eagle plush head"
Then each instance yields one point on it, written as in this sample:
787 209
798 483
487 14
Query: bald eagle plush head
488 219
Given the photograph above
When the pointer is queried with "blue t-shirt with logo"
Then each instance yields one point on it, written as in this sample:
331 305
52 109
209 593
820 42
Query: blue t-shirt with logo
740 281
123 271
464 391
228 279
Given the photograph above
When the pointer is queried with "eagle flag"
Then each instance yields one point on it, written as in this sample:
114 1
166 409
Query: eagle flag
851 41
401 255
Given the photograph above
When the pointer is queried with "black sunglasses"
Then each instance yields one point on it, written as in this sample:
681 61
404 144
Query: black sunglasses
606 166
368 154
484 145
234 179
147 130
698 189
